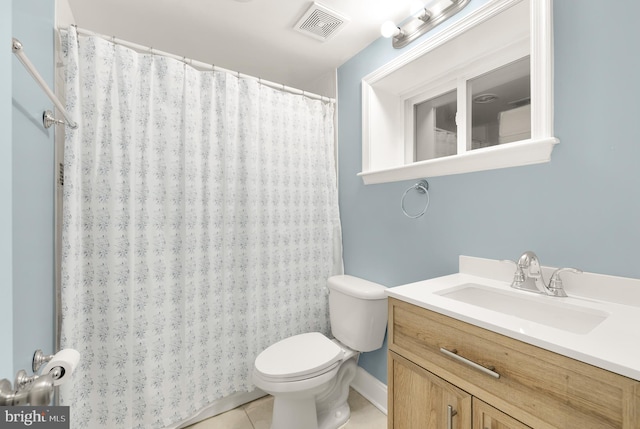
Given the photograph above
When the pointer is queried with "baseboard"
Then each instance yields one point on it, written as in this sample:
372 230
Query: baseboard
371 388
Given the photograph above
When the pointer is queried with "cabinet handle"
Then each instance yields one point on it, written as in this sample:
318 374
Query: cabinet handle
450 413
454 354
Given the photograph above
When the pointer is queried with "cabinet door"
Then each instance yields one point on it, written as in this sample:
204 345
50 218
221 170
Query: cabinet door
420 400
487 417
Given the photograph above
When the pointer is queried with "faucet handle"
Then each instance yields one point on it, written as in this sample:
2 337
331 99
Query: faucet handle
555 283
518 276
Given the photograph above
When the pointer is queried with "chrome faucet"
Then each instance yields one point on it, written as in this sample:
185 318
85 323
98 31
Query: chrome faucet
528 276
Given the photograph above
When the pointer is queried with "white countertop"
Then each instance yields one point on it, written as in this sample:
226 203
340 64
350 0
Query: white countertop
613 345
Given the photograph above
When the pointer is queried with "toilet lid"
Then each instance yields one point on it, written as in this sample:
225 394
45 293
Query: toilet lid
298 357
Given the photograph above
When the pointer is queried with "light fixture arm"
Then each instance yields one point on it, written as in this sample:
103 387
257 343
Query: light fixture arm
424 15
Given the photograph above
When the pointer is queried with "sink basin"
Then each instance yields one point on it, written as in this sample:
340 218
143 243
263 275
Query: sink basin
549 311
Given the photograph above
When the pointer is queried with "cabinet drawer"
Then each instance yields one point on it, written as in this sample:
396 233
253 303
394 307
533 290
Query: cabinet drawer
538 387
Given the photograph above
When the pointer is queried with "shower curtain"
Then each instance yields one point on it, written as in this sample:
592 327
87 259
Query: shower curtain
200 226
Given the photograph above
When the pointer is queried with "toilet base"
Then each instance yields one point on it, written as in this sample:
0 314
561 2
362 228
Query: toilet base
332 406
291 411
326 408
336 419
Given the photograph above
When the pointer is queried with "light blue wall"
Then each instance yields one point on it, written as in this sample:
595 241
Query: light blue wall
33 186
6 264
582 209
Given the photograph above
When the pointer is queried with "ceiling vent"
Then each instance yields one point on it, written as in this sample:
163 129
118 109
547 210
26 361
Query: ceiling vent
320 22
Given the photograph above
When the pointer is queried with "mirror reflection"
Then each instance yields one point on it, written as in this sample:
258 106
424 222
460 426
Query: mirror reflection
501 105
499 108
436 133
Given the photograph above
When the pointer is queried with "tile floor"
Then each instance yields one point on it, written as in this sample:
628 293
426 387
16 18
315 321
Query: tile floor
257 415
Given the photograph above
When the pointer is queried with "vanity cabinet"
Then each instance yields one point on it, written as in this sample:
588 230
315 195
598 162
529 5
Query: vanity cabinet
514 385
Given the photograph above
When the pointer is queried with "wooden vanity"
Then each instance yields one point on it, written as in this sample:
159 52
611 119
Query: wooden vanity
433 383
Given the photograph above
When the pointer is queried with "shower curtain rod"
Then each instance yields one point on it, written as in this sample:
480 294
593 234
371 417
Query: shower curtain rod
204 66
16 48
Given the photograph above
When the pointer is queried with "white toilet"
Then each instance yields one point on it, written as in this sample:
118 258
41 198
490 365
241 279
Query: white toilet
309 374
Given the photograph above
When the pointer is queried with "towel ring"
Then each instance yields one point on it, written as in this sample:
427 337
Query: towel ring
423 188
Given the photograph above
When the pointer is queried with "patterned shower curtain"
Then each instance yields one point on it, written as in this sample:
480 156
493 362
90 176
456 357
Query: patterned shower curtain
200 226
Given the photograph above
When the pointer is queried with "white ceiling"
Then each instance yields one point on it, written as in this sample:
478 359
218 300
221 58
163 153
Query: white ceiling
255 37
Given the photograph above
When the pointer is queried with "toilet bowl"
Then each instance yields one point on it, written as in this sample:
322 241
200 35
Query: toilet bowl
309 374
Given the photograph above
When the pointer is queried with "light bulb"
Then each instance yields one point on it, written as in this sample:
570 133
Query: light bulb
416 8
437 6
389 29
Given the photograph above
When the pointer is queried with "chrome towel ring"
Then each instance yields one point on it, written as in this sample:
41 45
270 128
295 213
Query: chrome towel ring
423 188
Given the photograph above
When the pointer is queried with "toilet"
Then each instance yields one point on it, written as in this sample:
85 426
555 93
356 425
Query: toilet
309 374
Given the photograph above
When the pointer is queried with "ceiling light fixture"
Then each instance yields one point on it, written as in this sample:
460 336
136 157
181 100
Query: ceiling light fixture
423 18
485 98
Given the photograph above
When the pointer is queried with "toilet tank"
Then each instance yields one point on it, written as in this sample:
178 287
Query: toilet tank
358 312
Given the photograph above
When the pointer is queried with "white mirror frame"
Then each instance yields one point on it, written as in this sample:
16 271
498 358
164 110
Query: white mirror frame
532 151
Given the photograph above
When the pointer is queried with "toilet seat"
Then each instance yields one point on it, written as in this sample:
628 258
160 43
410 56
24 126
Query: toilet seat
299 357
